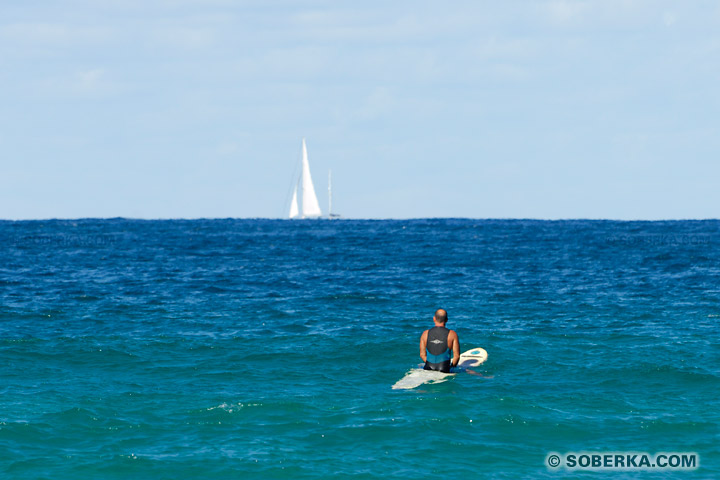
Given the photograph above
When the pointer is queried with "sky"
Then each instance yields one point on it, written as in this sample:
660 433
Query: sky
482 109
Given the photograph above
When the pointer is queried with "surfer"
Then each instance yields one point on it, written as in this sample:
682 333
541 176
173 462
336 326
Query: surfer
439 346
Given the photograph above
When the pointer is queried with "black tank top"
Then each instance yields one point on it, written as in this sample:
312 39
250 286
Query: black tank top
438 351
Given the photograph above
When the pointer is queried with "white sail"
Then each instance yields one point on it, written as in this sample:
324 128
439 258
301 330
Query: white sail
294 211
310 205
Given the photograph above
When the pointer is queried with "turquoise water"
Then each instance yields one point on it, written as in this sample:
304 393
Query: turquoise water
266 349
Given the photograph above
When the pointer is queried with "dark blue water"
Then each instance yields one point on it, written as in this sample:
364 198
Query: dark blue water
267 349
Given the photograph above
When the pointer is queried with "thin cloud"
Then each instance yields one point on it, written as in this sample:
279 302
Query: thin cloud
90 80
566 10
84 83
52 34
669 19
185 37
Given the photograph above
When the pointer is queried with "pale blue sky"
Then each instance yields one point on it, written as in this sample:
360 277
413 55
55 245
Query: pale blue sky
484 109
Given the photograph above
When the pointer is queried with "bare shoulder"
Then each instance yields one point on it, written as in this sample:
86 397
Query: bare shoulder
452 334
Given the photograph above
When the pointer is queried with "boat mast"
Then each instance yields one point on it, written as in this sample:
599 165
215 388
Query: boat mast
329 193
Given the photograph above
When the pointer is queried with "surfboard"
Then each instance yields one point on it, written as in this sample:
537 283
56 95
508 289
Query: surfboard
418 376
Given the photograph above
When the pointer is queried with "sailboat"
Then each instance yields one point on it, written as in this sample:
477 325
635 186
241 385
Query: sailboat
310 205
331 216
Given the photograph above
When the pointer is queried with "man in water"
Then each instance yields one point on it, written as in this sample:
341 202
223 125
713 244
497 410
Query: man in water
440 347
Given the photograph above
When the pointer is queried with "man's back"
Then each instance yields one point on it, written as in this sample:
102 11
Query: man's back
440 346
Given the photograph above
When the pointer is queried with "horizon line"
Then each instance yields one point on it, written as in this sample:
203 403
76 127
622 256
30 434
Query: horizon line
559 219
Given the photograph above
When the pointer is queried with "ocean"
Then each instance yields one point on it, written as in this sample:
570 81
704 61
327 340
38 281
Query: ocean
266 349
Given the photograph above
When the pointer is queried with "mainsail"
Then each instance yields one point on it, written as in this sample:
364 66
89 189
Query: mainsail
310 204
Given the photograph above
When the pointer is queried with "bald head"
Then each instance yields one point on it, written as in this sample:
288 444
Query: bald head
440 316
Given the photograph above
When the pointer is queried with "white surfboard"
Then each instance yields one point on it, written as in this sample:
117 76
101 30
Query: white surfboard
418 376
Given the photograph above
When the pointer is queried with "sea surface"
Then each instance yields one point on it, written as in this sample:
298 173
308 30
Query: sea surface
266 349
